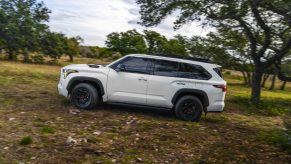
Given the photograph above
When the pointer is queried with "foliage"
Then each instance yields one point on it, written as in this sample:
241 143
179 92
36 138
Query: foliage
22 25
285 71
23 30
89 51
264 24
175 47
150 42
53 44
26 141
279 138
38 59
95 52
71 47
47 129
155 42
126 42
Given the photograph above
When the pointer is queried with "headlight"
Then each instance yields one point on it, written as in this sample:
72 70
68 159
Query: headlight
66 72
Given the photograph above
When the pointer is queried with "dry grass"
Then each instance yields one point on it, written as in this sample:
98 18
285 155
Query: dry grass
31 108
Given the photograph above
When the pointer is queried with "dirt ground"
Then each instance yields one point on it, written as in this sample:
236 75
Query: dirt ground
39 126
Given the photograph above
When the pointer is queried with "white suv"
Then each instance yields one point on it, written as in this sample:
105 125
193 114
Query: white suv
188 86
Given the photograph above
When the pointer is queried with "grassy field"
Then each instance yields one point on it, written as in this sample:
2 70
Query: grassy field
38 126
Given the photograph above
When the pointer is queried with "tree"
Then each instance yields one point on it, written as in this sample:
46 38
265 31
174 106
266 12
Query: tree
53 44
155 42
229 53
283 85
265 24
22 24
175 47
126 42
284 71
273 81
71 47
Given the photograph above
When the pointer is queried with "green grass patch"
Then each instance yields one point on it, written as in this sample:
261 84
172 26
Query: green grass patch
268 107
279 138
48 129
26 141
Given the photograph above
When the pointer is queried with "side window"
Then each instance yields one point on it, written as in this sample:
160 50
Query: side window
136 65
218 71
192 71
166 68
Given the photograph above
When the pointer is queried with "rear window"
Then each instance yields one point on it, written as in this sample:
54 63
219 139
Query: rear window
218 71
181 70
166 68
192 71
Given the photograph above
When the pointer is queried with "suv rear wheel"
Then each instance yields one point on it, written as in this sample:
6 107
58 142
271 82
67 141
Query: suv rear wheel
189 108
84 96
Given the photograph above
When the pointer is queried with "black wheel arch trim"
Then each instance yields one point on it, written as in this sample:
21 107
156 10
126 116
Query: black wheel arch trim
85 79
193 91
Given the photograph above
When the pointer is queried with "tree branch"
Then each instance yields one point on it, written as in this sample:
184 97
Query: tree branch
280 53
262 24
250 36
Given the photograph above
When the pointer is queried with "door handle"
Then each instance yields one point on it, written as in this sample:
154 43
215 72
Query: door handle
180 83
142 79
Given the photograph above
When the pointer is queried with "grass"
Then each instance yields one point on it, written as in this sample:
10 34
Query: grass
30 106
48 130
26 141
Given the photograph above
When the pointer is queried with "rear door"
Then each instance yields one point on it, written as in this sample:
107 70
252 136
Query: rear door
169 76
163 83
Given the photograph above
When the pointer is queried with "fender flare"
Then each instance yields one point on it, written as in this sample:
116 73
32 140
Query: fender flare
204 97
97 83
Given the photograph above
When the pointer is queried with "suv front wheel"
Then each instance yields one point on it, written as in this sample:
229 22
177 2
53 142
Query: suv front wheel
189 108
84 96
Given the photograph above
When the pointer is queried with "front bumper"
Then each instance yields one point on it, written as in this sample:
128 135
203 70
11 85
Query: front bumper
62 91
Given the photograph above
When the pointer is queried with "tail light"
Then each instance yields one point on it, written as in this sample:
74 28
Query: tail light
223 87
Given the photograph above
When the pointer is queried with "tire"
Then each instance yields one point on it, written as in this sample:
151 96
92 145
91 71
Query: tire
84 96
189 108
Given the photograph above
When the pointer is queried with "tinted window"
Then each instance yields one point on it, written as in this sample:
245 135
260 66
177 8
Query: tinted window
135 65
218 71
166 68
181 70
192 71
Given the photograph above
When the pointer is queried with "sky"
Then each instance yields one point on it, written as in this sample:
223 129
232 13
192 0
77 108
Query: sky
93 20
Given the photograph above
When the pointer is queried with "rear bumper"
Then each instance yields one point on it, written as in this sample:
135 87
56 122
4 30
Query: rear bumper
217 106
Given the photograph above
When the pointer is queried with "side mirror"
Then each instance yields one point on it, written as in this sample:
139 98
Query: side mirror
120 68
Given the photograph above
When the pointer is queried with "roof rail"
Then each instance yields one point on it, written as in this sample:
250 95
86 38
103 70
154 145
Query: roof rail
185 57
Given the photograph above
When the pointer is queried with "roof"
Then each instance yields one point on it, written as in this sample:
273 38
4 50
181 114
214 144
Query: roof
177 58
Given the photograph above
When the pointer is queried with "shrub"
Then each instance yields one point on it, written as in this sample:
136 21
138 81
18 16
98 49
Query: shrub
38 59
53 62
26 141
228 73
116 56
48 129
279 138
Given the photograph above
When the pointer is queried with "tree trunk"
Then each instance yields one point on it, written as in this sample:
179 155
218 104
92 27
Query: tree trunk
71 58
249 75
265 78
26 56
283 85
256 86
273 82
11 55
245 77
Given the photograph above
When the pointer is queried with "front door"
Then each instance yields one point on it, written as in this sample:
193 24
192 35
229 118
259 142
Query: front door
129 84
